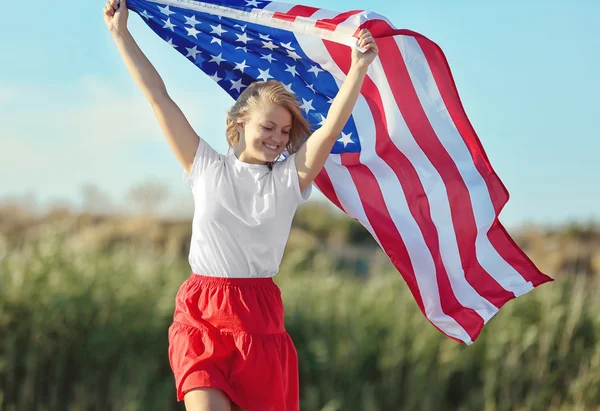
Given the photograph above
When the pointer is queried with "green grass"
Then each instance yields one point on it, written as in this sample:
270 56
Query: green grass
84 330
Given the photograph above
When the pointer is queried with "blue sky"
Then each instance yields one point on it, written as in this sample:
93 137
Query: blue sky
526 72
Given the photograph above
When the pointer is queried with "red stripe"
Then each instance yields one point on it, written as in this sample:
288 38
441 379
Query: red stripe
284 16
497 235
375 209
324 184
463 218
331 24
381 221
297 11
513 255
379 217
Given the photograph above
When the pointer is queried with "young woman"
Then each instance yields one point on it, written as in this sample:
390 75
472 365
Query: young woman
228 347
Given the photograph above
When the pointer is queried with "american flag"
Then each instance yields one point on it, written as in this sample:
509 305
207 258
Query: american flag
408 164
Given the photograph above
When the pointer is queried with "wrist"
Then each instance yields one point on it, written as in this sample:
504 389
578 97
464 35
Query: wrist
359 67
119 33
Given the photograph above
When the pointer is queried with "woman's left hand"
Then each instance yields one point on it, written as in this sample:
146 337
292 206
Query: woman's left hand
366 41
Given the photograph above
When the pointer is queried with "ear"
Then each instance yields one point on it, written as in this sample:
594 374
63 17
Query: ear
239 126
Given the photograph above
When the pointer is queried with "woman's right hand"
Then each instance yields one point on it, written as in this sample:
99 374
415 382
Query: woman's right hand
115 16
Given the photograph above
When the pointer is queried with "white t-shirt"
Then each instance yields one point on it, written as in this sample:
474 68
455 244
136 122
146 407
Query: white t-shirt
243 213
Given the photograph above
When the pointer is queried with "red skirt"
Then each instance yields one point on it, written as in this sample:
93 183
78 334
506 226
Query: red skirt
229 334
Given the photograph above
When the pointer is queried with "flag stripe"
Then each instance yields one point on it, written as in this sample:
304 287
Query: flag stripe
331 24
296 11
428 204
459 198
504 276
432 309
349 198
483 210
497 235
376 212
323 183
373 200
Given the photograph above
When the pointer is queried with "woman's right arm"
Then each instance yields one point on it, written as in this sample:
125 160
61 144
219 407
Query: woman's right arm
180 136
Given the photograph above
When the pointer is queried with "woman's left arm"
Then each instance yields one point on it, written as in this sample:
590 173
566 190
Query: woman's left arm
312 155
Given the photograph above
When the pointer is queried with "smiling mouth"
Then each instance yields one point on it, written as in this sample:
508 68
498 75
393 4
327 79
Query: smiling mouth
271 147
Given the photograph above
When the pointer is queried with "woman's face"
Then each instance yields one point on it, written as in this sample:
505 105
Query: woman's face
264 135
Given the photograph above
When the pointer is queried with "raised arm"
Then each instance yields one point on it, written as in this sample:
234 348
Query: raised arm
311 157
180 136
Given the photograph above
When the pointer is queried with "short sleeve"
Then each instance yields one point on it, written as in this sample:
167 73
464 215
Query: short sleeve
291 181
204 157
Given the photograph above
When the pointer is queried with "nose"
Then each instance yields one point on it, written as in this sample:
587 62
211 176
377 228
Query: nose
278 137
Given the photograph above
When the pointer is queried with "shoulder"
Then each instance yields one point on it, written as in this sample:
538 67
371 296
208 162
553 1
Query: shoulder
284 166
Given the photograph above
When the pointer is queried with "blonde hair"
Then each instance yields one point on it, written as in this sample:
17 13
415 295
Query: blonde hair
261 92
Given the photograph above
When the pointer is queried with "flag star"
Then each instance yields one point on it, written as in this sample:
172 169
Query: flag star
216 77
323 118
192 32
269 57
330 100
193 52
217 59
291 69
170 43
293 55
242 48
316 70
218 30
237 85
345 139
241 66
216 40
264 37
169 25
288 87
264 75
269 45
243 38
191 20
253 3
146 15
307 105
166 11
311 88
241 27
288 45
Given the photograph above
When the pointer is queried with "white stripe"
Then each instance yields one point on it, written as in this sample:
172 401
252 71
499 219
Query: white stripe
322 14
410 233
437 196
346 192
277 7
406 225
443 126
265 18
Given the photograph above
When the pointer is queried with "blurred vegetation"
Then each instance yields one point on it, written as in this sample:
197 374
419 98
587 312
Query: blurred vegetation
86 300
